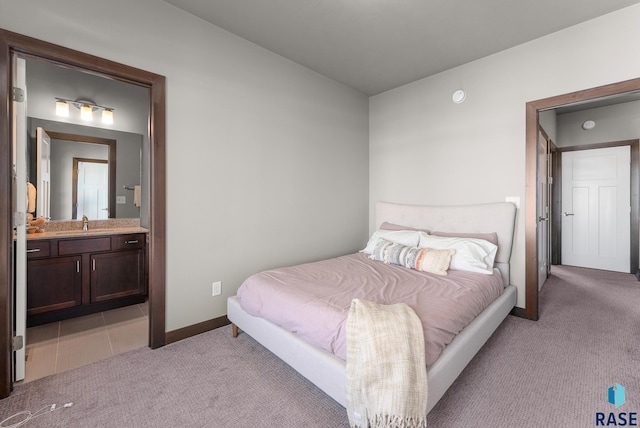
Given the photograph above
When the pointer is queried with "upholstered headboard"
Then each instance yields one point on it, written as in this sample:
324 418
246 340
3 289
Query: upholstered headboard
496 217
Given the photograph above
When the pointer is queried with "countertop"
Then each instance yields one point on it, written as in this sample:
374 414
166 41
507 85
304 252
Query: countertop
90 233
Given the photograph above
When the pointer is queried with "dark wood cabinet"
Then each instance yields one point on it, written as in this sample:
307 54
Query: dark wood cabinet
53 283
117 274
69 277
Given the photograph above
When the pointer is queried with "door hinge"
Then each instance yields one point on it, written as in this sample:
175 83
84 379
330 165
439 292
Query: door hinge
18 94
17 343
19 219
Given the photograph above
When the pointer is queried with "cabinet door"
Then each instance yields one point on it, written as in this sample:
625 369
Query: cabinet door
54 283
117 274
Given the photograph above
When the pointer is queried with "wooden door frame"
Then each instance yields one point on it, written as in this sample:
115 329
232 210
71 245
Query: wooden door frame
16 43
634 147
532 122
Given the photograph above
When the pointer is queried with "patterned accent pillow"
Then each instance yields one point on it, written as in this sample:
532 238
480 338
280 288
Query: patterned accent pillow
422 259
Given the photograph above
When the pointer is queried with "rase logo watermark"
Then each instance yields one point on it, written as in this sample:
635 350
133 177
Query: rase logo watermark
616 397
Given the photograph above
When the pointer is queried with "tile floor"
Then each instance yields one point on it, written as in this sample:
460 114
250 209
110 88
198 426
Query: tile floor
64 345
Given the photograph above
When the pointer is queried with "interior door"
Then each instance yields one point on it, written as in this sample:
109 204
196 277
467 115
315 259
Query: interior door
543 230
43 174
20 213
93 189
596 208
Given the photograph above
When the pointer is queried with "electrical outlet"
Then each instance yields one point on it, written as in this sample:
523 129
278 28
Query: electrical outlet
216 288
121 199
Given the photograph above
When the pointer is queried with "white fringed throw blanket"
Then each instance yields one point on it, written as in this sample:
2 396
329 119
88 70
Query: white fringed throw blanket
386 371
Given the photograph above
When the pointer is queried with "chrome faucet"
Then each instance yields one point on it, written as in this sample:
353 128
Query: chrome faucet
85 223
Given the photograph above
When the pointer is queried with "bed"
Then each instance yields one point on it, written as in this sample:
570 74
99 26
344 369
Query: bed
327 371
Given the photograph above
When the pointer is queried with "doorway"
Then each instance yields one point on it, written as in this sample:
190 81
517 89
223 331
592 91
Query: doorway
13 43
533 110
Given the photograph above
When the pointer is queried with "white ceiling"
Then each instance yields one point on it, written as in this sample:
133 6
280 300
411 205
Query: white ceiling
376 45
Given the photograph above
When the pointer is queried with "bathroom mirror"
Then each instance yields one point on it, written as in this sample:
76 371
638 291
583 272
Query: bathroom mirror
94 168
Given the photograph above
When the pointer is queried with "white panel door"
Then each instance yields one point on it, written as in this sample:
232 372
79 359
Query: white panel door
20 211
596 208
43 172
543 210
93 190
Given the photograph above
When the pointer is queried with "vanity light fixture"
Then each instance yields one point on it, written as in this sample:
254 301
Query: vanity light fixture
62 108
588 125
86 108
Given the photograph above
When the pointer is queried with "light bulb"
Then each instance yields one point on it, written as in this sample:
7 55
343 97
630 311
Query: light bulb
86 112
107 116
62 108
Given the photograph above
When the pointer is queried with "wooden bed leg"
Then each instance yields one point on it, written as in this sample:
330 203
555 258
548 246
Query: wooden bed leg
234 330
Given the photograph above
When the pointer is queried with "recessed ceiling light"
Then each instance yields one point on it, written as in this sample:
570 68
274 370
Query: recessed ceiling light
458 96
588 125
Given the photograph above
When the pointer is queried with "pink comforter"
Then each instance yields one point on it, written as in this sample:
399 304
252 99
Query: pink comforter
313 299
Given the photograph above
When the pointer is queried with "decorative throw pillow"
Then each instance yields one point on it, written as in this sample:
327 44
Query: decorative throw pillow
422 259
434 261
380 250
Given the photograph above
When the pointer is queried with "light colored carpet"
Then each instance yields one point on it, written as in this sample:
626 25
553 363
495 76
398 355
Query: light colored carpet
209 380
553 372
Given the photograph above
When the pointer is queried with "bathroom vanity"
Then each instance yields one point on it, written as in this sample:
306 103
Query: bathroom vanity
74 273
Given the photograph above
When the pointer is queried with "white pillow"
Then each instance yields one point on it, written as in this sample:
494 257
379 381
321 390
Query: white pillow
472 254
410 238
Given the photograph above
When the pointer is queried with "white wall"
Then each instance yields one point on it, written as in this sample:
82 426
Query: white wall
267 161
260 150
426 150
548 120
613 123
